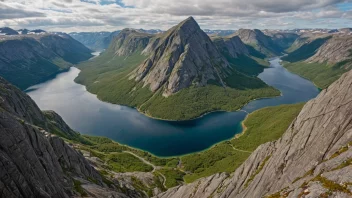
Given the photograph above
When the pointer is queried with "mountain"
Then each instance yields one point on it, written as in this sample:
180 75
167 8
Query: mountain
8 31
322 58
312 158
36 163
29 59
241 56
129 41
157 73
92 40
259 41
178 56
283 39
99 41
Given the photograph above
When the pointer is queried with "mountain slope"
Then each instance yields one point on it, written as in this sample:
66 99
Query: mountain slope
29 59
92 40
179 71
33 162
183 56
312 159
258 40
241 56
323 59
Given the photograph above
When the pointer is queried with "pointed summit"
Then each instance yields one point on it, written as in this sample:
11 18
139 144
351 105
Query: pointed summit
181 57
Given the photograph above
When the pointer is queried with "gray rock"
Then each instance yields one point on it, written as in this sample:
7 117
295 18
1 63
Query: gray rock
179 58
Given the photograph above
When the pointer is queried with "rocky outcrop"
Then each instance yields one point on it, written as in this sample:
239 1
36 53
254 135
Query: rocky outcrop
335 50
28 59
33 161
259 41
232 45
129 41
311 159
181 57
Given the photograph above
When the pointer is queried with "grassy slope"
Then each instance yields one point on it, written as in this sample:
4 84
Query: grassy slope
260 129
322 74
108 78
305 51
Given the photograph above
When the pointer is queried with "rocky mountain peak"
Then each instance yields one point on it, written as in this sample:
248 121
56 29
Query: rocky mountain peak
181 57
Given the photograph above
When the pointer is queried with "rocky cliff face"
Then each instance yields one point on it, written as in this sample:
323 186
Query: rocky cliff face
28 59
312 159
180 57
35 163
334 50
259 41
232 45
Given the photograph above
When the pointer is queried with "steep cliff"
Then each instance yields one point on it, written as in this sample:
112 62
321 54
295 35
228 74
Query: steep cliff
33 161
312 158
28 59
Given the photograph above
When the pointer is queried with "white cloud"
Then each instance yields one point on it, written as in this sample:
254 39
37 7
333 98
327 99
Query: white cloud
98 15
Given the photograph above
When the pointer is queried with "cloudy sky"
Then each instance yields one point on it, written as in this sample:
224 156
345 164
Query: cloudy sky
109 15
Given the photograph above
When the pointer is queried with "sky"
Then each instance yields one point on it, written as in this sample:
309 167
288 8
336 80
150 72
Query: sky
111 15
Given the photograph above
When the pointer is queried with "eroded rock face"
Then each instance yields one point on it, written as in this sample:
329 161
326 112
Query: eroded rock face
315 148
336 49
179 58
33 162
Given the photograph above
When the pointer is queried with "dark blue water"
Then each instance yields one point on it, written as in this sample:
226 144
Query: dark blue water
88 115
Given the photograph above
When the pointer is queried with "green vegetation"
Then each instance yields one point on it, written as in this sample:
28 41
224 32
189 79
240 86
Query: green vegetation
78 188
260 168
125 162
332 186
174 177
321 74
192 102
228 155
262 128
108 77
305 51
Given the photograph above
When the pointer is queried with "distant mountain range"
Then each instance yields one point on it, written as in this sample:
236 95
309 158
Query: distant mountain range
27 59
